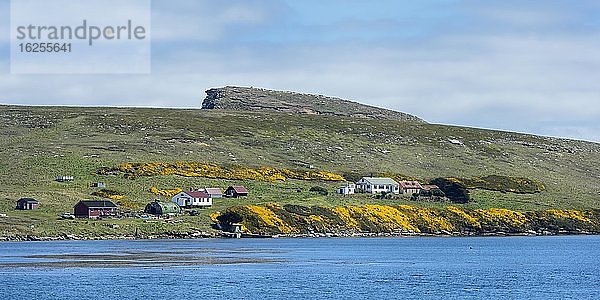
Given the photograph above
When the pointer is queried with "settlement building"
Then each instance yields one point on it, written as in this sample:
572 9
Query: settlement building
347 189
429 187
376 185
214 192
95 209
63 178
410 187
159 208
236 192
27 204
430 192
193 199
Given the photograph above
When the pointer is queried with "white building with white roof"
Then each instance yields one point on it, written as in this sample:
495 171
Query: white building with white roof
377 185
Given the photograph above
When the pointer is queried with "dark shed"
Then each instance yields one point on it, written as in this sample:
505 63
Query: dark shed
94 209
236 191
27 204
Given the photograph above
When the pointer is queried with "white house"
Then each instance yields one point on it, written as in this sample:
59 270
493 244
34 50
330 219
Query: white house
410 187
376 185
193 199
347 189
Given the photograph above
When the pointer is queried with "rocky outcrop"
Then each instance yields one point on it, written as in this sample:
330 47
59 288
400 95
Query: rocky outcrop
254 99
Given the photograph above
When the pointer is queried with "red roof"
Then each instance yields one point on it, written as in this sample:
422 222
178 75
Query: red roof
240 189
410 185
430 187
198 194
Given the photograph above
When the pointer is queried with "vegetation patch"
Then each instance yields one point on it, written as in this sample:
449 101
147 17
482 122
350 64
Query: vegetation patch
275 219
504 184
109 194
128 204
455 190
198 169
355 176
168 193
257 219
319 190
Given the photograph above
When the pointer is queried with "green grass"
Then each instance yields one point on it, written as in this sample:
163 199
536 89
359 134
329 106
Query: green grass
39 143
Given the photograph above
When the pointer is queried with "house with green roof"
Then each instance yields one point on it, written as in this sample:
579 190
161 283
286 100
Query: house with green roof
159 208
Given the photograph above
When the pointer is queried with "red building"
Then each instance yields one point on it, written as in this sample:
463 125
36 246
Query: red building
95 209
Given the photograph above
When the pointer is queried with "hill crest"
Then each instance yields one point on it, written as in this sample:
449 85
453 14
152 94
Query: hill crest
258 99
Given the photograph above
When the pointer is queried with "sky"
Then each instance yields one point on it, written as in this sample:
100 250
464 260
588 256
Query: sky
515 65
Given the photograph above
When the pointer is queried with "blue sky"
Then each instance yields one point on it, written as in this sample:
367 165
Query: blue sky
527 66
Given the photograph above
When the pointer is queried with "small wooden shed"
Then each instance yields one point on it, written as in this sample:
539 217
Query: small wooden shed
64 178
236 191
27 204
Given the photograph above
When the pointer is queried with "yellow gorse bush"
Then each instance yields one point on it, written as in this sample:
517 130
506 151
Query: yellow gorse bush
109 194
128 204
272 218
388 217
568 214
268 218
426 219
345 214
497 216
213 217
198 169
464 217
166 193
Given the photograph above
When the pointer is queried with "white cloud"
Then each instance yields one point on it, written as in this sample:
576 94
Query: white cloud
205 20
4 22
541 82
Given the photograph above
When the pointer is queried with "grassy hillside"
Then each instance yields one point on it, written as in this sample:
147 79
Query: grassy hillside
39 143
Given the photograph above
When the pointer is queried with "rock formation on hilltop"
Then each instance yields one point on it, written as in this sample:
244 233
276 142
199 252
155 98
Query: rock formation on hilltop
255 99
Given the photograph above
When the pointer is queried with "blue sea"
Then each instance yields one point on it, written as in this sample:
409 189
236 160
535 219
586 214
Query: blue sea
565 267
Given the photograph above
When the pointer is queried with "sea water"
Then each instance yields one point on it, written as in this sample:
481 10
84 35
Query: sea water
564 267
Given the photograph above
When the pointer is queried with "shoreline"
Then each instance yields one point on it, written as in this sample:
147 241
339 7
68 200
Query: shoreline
228 235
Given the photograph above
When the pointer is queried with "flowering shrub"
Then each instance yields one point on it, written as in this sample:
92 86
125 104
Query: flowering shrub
500 218
259 219
345 214
166 193
272 218
426 219
108 194
128 204
213 217
567 220
387 218
568 214
458 216
197 169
